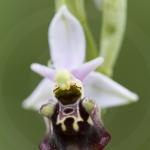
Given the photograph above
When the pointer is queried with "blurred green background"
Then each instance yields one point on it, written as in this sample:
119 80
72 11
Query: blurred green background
23 40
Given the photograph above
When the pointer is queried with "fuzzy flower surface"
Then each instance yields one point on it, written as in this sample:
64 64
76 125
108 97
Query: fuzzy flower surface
67 50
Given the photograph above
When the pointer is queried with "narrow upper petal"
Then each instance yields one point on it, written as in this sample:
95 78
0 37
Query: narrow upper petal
106 92
82 71
43 70
66 40
39 96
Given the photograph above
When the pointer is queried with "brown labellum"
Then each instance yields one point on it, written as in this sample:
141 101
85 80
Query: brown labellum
74 127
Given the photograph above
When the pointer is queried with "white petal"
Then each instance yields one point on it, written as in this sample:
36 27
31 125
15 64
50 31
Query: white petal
66 40
106 92
39 96
82 71
43 71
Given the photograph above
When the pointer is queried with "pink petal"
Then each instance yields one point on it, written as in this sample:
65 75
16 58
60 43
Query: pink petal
66 40
106 92
43 71
81 72
40 96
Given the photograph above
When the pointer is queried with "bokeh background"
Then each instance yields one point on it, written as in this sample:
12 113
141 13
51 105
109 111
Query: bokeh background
23 40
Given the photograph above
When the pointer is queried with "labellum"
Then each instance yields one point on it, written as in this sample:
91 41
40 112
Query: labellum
73 122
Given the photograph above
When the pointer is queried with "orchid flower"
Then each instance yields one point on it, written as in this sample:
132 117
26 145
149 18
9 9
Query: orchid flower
67 48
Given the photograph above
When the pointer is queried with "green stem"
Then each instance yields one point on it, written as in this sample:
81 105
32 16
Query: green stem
112 33
76 7
59 3
91 47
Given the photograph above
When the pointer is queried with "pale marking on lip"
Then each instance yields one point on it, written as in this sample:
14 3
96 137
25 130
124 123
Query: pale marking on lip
76 119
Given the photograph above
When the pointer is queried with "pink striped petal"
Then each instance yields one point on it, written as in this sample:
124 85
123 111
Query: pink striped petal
66 40
106 92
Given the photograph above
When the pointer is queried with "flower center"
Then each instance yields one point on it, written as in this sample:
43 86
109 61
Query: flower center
67 89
